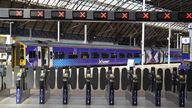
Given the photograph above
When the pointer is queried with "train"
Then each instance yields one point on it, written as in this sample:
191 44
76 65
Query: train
52 54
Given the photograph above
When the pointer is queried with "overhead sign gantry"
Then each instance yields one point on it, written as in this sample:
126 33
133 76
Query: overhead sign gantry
55 14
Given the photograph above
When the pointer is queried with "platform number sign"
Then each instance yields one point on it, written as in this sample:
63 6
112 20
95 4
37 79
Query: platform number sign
185 16
100 15
58 14
16 13
121 15
80 15
142 16
164 16
37 14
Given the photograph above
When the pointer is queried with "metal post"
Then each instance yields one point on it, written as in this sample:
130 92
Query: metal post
10 28
130 41
169 43
30 33
85 34
177 40
58 31
134 43
143 39
180 42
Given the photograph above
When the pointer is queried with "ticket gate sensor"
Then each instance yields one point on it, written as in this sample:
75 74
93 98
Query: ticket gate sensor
44 88
22 92
65 86
133 79
4 91
175 86
153 93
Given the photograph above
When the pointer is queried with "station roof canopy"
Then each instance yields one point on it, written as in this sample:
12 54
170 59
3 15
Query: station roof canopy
156 32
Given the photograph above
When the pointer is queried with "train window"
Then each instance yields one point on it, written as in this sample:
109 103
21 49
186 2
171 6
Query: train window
84 55
32 54
171 55
61 55
105 55
22 53
94 55
136 55
121 55
129 55
73 55
56 55
113 55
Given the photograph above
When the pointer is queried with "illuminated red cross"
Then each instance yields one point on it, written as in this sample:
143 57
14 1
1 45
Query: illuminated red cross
167 15
103 15
18 13
146 15
82 15
124 15
61 14
189 15
40 13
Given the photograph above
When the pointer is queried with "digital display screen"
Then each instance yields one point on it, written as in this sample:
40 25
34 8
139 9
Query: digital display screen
121 15
100 15
37 14
185 16
79 15
58 14
142 16
164 16
16 13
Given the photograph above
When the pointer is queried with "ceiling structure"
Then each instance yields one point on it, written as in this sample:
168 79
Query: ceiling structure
156 32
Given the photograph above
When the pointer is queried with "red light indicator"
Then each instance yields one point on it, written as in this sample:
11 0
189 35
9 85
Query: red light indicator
189 15
40 13
18 13
61 14
145 15
124 16
82 14
103 15
167 16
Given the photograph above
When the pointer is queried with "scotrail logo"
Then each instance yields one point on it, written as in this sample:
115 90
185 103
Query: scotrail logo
104 61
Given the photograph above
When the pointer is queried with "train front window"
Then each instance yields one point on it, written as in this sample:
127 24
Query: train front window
73 55
84 55
32 54
22 53
105 55
94 55
136 55
121 55
129 55
113 55
61 55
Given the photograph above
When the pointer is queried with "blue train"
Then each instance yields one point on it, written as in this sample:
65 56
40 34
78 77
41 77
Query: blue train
37 53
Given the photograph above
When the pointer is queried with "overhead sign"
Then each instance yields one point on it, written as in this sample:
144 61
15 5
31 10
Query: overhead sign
185 40
60 14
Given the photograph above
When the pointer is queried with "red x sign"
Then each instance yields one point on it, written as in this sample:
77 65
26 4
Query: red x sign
124 16
18 13
61 14
189 15
40 13
103 15
167 16
145 15
82 14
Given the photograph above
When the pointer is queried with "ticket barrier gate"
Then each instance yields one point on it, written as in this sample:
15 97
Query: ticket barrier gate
4 91
44 88
175 86
154 83
189 85
22 91
134 84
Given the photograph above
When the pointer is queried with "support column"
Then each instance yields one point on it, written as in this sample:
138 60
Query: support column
190 36
58 31
169 43
130 41
30 33
85 34
177 40
180 42
143 39
134 43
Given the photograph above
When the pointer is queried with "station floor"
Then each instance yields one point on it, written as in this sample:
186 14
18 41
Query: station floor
55 101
